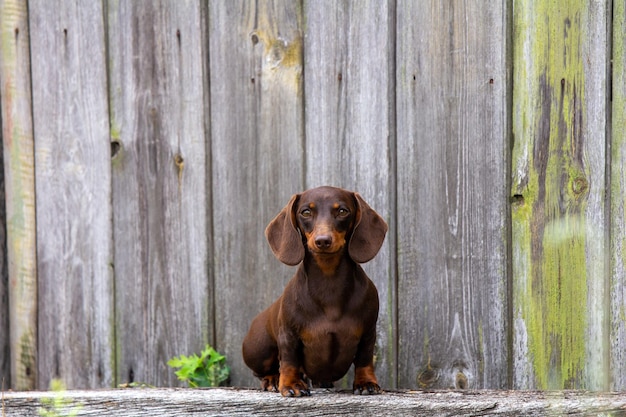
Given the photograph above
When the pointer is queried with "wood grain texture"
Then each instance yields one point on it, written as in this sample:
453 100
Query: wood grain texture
5 345
160 188
161 137
73 188
349 130
558 184
452 94
257 157
237 402
618 202
18 298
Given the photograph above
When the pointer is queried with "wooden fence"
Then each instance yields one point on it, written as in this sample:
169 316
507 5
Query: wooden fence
148 143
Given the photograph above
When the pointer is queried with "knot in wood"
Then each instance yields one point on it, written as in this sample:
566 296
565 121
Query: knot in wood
461 381
116 146
580 186
276 53
179 161
428 377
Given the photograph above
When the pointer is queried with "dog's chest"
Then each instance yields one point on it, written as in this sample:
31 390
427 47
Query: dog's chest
331 335
332 314
329 346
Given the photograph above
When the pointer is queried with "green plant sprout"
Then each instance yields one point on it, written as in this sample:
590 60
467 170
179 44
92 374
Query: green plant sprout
58 405
207 370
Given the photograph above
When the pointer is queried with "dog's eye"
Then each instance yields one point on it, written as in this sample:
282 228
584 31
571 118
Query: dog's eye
343 212
306 213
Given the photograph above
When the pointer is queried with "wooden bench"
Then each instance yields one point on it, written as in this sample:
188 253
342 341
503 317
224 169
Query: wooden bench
247 402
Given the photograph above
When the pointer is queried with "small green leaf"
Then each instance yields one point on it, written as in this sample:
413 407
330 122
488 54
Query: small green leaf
207 370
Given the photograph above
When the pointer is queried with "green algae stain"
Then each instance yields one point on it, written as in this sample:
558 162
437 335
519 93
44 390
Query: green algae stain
26 377
548 223
557 313
618 115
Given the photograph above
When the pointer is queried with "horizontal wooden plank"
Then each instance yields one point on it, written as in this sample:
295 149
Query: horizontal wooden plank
237 402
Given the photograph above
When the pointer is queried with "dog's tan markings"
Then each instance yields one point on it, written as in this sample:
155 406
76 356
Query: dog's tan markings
327 263
336 206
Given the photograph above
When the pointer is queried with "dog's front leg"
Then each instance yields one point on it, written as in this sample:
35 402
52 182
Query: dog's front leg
290 383
364 377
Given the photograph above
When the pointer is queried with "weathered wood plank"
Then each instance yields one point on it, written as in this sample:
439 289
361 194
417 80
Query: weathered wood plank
73 197
618 202
558 187
257 163
5 345
172 402
452 99
349 66
20 315
159 122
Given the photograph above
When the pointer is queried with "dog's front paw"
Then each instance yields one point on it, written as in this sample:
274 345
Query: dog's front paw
297 388
269 383
365 381
366 388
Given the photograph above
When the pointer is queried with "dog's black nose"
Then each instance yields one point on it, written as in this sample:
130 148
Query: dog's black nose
323 242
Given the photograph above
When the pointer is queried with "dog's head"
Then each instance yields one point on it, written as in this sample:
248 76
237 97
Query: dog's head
323 219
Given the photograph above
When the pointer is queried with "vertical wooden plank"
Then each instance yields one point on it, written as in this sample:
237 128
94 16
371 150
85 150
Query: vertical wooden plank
558 186
452 95
72 157
160 194
257 163
618 202
19 175
5 345
349 66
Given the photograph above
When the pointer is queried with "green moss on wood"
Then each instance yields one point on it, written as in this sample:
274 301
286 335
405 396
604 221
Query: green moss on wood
26 377
550 289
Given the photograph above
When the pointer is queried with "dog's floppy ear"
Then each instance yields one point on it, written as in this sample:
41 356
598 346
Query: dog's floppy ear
284 237
369 232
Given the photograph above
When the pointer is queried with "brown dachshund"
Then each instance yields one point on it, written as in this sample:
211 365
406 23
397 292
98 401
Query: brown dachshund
325 320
